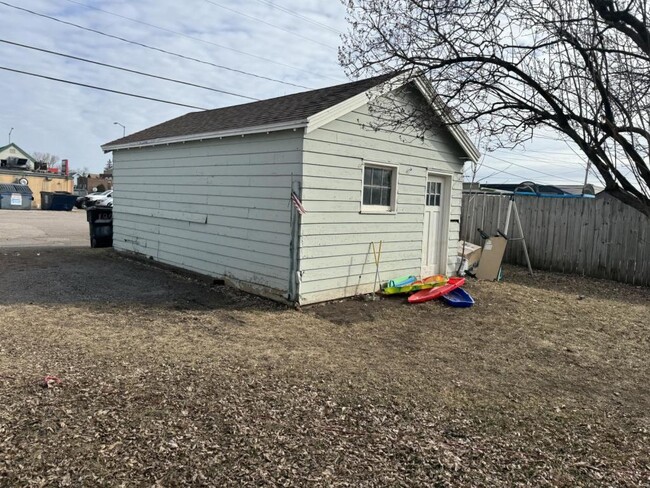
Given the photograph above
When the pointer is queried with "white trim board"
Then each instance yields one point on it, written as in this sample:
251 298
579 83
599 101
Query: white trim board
258 129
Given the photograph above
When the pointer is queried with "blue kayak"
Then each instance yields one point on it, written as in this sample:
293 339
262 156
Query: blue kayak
399 282
458 298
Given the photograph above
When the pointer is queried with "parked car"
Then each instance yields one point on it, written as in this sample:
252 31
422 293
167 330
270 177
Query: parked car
93 198
104 202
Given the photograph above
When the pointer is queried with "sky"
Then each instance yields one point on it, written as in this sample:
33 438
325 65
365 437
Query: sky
262 49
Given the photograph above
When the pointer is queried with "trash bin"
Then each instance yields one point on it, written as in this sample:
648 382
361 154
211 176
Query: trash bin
63 201
100 221
15 197
46 200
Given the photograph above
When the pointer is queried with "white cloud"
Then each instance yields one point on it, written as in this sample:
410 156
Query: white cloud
73 122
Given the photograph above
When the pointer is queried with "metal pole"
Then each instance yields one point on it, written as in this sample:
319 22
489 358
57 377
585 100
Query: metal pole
586 176
12 129
523 239
122 126
506 227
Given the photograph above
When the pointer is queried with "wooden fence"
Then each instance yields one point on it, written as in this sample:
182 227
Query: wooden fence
593 237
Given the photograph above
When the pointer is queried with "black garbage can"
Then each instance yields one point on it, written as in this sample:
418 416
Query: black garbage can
100 221
46 200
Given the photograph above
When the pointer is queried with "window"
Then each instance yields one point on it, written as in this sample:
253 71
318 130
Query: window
379 184
434 190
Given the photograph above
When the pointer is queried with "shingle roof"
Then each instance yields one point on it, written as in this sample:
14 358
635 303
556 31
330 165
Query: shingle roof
288 108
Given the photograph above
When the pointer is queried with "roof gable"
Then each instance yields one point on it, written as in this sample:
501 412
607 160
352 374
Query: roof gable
309 110
15 146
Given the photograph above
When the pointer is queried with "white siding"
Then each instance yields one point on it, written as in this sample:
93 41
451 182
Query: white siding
336 258
218 207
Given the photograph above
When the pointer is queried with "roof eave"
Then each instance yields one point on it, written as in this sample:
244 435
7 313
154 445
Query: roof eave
163 141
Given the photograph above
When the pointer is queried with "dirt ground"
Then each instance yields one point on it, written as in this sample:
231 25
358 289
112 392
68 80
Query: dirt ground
169 382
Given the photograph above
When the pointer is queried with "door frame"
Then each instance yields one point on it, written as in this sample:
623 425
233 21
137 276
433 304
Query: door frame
448 181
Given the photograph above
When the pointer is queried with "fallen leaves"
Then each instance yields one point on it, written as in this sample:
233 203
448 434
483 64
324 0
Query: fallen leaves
242 392
50 381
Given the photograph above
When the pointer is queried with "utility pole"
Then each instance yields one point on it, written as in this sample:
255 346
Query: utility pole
584 187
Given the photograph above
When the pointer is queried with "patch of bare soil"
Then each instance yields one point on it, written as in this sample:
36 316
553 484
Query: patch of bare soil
544 382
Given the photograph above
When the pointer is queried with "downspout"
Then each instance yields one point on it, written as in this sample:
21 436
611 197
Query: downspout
293 294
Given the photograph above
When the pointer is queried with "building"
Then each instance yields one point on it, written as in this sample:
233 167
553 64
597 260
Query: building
222 192
18 167
13 157
94 182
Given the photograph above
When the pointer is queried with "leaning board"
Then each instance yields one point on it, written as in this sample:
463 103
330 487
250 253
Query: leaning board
491 257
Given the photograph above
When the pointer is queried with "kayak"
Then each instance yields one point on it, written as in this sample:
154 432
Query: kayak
400 282
458 298
423 284
433 293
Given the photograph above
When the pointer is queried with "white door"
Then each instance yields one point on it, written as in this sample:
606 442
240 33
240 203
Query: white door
435 238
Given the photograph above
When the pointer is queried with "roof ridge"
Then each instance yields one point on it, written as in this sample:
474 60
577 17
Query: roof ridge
379 78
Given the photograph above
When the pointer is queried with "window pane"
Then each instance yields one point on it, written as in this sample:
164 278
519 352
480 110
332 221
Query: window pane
387 178
366 195
434 193
367 176
377 186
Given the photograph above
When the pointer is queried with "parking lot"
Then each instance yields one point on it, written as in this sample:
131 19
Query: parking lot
40 228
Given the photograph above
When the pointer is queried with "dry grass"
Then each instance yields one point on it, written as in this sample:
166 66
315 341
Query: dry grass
532 387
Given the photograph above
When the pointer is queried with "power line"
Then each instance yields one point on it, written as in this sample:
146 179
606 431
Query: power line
522 166
262 58
146 46
581 158
497 172
268 23
588 165
101 88
302 17
537 151
56 53
554 162
523 178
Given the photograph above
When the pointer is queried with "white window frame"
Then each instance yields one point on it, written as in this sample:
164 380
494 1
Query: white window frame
381 209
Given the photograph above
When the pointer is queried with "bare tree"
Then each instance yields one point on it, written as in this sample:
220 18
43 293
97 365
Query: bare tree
80 172
50 160
505 68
